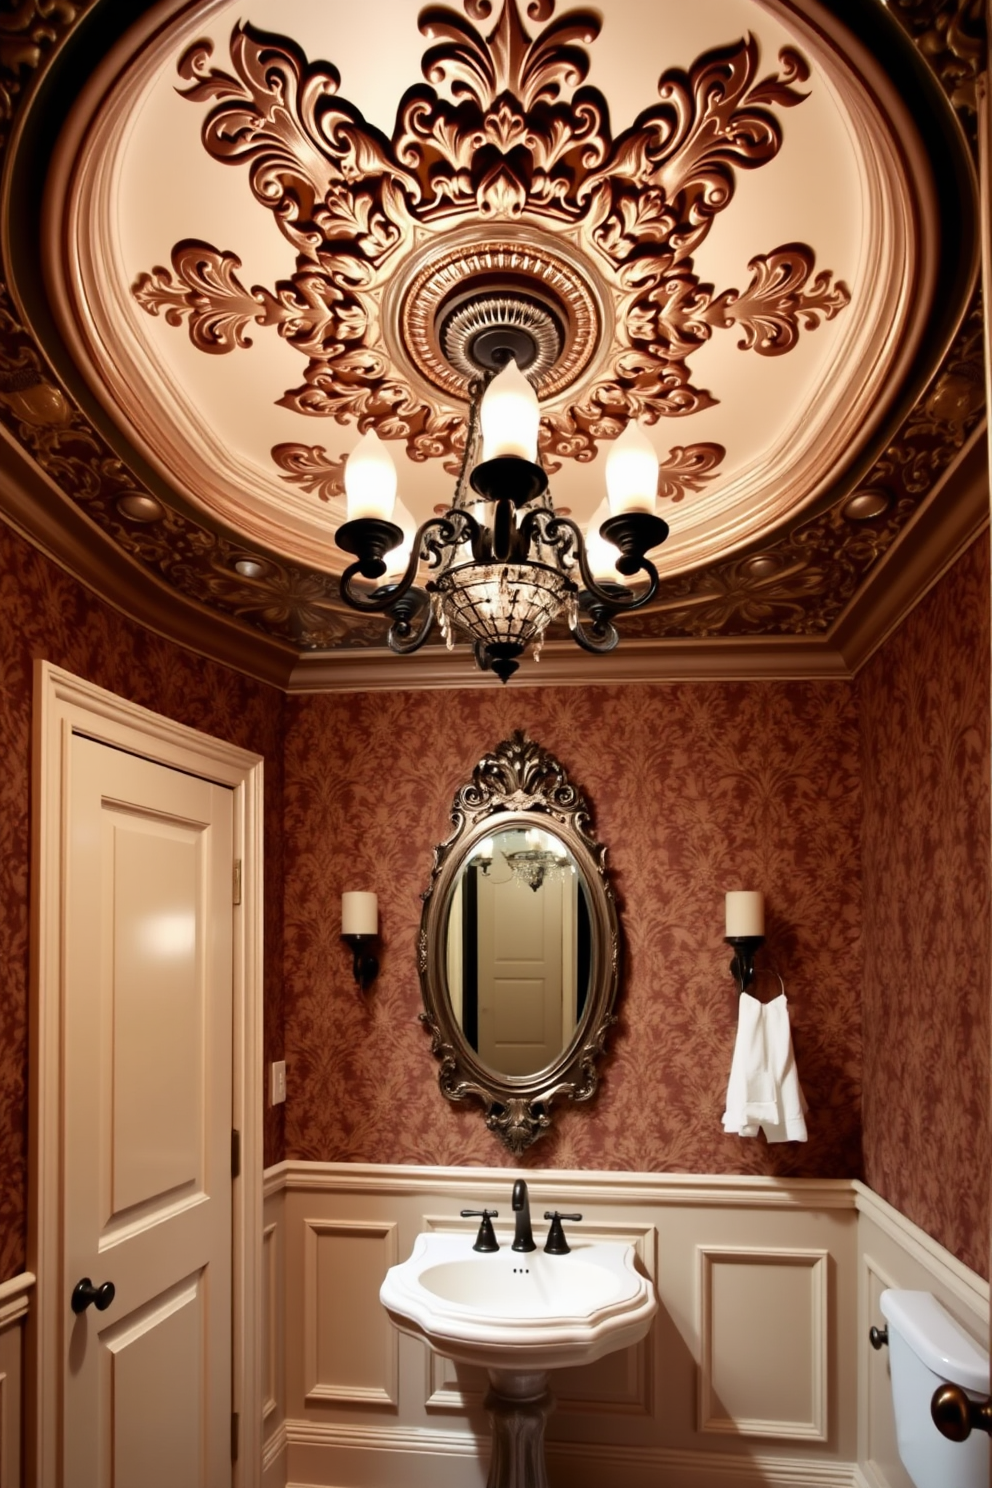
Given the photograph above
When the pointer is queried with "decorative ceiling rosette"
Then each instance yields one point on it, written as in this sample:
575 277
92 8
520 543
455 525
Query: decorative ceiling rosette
517 138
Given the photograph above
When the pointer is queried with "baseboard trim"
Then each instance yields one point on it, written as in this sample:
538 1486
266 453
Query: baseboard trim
444 1455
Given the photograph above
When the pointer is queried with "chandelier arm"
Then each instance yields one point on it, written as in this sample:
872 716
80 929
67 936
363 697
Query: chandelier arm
425 545
369 604
609 604
602 637
402 637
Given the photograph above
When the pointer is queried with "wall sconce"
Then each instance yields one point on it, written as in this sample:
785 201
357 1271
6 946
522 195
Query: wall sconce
745 932
360 927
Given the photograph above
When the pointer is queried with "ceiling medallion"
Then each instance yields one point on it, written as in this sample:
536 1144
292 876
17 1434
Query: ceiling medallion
504 131
527 283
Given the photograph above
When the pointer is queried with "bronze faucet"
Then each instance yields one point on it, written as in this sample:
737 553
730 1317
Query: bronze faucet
523 1236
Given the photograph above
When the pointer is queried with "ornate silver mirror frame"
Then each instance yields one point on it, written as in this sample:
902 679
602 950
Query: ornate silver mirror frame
520 785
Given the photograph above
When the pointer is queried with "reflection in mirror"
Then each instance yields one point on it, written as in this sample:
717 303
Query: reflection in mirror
520 944
518 949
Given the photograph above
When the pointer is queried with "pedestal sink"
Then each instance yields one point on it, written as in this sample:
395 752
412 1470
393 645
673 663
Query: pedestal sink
519 1316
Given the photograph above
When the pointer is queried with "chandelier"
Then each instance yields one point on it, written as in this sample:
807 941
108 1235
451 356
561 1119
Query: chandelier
502 564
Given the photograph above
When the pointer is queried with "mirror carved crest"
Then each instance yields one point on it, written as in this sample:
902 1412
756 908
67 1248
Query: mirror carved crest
519 952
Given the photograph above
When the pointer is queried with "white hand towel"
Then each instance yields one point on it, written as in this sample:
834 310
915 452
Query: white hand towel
790 1124
763 1089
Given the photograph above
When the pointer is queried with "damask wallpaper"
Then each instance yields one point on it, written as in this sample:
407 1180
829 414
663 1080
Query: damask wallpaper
695 789
44 613
924 708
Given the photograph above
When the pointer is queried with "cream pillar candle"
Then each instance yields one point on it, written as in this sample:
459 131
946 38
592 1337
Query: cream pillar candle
359 914
745 913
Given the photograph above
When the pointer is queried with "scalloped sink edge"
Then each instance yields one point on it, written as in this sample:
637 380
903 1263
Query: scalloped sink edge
513 1311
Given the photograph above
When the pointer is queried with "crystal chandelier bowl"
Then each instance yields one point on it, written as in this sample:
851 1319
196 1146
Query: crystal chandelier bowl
503 607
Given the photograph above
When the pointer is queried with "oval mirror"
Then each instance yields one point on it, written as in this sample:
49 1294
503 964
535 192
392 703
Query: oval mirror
519 944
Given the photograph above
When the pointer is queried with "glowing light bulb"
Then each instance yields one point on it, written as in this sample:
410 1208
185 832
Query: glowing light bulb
397 559
370 479
632 472
601 555
510 415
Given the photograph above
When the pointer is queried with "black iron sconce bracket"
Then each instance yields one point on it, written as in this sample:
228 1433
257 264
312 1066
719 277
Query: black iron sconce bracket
366 965
742 966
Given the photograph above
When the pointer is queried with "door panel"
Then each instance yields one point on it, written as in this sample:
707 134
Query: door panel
148 1098
520 973
157 1354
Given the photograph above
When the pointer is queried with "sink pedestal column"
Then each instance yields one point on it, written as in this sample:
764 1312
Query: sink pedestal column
518 1406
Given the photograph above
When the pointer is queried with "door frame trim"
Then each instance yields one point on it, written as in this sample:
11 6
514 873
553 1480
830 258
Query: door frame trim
64 705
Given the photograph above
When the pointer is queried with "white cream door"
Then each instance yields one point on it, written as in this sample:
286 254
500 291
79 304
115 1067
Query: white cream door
147 1126
520 973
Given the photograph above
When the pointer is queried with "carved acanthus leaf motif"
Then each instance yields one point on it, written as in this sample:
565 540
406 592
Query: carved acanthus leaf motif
951 34
305 147
309 310
688 468
205 287
308 466
781 297
710 122
28 30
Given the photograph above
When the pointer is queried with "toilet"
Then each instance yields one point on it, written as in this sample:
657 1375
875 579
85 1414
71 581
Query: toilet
927 1348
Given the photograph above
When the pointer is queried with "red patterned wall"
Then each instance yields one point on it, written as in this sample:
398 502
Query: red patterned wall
924 706
44 613
695 789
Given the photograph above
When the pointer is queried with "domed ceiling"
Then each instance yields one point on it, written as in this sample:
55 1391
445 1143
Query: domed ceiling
237 237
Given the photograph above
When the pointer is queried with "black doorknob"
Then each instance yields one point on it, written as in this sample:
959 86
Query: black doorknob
84 1292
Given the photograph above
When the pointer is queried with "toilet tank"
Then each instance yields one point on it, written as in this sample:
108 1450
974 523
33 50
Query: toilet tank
927 1348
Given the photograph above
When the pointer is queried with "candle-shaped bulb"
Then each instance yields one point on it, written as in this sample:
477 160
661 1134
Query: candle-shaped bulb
510 416
370 479
359 914
745 913
632 472
601 555
397 559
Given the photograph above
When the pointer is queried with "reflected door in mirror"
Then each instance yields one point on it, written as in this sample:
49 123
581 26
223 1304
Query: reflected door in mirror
518 950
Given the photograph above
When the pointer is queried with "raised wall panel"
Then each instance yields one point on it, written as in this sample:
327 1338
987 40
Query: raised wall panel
270 1321
349 1345
880 1426
763 1341
14 1307
5 1416
893 1252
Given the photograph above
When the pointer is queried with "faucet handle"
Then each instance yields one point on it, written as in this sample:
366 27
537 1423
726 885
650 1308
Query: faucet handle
486 1239
556 1242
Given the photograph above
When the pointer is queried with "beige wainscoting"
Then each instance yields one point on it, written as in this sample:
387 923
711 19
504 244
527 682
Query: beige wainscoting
749 1375
273 1338
892 1252
15 1302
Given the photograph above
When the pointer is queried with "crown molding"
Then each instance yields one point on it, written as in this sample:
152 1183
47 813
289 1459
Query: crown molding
953 515
563 664
40 512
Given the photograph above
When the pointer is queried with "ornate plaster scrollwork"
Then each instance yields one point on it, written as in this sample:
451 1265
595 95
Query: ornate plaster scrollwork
518 138
951 34
798 586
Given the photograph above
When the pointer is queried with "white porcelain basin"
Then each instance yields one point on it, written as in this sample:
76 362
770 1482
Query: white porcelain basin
520 1312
